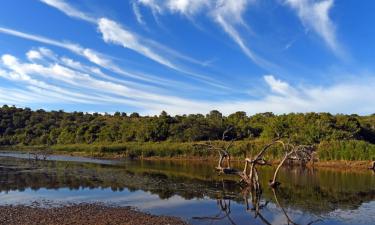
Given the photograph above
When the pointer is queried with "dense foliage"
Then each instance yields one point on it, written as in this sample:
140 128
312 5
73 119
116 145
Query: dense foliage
26 127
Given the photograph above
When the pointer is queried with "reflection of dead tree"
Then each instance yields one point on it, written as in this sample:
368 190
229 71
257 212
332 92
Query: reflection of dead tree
225 210
257 206
39 155
249 175
289 220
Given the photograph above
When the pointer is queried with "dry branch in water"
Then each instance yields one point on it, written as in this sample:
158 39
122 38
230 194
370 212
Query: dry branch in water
249 175
373 166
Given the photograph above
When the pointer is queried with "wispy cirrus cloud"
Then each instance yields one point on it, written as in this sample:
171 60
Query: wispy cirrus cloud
89 54
55 83
93 56
137 13
113 32
69 84
46 77
281 97
227 14
315 16
69 10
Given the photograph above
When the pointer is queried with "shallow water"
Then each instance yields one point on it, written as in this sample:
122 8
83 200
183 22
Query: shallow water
191 190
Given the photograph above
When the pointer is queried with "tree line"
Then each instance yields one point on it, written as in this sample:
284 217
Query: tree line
23 126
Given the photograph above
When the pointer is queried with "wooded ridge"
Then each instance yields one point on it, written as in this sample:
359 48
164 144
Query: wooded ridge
23 126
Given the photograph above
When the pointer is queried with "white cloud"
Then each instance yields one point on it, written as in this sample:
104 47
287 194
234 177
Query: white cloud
351 96
137 13
278 86
69 10
187 7
32 55
13 96
113 33
19 73
344 97
227 14
84 83
315 15
91 55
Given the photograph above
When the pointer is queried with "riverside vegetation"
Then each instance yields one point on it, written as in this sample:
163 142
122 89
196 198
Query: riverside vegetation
336 137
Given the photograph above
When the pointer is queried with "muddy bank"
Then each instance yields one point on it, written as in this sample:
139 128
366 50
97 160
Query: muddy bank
343 164
90 214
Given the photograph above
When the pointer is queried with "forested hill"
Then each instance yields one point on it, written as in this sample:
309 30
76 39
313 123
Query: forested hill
27 127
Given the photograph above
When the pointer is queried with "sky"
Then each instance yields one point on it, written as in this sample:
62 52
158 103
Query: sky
188 56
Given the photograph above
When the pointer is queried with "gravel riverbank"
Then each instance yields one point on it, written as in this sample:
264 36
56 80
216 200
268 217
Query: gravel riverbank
88 214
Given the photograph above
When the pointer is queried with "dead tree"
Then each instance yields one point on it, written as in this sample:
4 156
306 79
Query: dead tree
302 153
223 151
249 174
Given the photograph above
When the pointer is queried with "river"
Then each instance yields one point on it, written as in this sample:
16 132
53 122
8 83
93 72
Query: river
191 190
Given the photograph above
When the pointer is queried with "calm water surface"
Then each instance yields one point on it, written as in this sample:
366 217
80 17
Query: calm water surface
191 190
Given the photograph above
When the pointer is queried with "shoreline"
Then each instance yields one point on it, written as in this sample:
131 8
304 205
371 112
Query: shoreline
90 214
328 164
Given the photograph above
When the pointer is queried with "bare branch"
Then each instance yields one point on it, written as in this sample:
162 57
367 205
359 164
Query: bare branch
229 128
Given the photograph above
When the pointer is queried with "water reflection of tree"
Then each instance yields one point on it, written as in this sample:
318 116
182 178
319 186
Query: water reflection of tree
255 207
250 177
224 212
256 201
328 195
224 205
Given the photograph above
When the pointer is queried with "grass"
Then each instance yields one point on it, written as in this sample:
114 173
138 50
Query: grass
239 149
346 150
351 150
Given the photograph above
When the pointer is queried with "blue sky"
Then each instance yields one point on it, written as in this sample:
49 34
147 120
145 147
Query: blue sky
188 56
